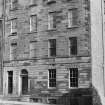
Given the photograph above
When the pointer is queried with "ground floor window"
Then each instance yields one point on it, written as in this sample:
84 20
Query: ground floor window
52 78
73 77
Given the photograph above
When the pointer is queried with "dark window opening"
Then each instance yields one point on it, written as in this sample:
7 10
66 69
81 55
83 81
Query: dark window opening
52 47
13 44
73 46
10 82
52 77
52 101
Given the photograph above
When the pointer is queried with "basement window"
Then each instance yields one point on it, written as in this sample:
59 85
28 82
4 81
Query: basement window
52 101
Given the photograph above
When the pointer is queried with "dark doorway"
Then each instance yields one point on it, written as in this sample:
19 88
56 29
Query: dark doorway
10 82
24 76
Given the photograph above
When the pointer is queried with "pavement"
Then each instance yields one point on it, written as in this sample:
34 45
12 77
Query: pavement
4 102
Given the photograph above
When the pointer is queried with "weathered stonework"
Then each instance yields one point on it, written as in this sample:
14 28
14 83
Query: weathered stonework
38 67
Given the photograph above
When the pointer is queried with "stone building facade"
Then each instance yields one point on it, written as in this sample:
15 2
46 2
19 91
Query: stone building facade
47 54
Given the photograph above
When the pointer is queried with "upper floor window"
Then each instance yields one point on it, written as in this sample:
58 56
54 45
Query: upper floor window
14 25
52 78
51 21
52 47
13 50
72 17
13 4
73 77
33 23
33 49
73 46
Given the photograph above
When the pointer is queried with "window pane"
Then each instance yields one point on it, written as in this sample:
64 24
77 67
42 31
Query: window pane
73 77
51 21
72 17
33 49
52 47
73 45
13 51
52 43
33 23
52 78
74 21
14 25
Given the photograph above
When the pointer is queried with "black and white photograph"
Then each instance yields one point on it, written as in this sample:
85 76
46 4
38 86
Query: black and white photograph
52 52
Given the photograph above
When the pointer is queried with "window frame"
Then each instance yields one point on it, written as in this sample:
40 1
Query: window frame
13 46
51 21
13 28
32 29
13 4
74 45
51 87
50 48
52 99
73 87
34 49
71 18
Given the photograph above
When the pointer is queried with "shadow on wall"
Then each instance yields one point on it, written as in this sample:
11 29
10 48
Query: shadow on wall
80 97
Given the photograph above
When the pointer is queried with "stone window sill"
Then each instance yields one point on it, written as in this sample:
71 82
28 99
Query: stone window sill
31 32
53 29
75 26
